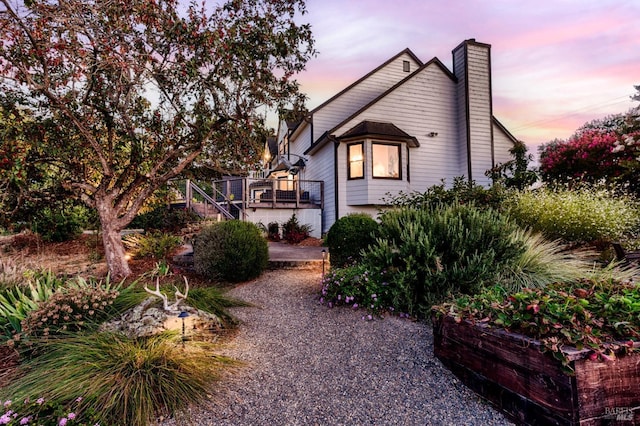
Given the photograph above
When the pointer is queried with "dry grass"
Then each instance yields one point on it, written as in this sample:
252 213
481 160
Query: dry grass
23 252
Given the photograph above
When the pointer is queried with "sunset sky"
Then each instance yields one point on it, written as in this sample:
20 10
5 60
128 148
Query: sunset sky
556 63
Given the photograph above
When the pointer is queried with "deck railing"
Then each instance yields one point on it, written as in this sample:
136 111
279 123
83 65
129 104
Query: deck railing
232 197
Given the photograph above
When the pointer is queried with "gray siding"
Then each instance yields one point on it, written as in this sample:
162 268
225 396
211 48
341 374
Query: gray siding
502 143
328 116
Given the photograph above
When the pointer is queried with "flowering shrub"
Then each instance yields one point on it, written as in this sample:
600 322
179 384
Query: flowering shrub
593 155
359 286
44 412
578 215
69 310
17 301
601 315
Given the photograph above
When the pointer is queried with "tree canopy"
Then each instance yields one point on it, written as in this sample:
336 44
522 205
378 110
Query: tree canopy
124 94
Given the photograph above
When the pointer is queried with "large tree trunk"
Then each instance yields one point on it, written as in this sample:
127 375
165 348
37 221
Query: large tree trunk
114 252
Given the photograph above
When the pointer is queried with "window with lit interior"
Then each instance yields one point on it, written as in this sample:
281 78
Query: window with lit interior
355 153
386 161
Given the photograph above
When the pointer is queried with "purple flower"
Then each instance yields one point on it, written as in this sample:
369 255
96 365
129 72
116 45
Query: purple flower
5 419
331 304
339 297
355 306
7 403
40 401
322 300
373 296
63 421
25 420
71 416
79 399
369 317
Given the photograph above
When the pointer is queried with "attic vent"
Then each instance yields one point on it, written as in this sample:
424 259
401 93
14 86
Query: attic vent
406 67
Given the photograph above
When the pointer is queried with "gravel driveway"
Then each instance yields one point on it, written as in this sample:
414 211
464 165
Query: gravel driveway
307 364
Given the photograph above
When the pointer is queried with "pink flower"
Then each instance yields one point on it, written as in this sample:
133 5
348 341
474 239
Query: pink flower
63 421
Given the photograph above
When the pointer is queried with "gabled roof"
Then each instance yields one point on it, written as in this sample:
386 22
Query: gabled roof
355 83
375 129
325 136
272 144
504 129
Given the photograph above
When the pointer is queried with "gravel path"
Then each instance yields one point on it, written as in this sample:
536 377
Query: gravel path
311 365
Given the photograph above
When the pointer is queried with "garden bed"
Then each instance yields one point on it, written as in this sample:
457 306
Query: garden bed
530 386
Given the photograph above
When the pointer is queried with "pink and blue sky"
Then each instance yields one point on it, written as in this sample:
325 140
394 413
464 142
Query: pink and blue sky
556 64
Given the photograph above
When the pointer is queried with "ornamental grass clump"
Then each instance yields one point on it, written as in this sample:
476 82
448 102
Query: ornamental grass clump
582 215
602 315
120 381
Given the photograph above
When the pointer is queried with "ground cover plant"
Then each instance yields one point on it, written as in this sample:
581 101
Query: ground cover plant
602 315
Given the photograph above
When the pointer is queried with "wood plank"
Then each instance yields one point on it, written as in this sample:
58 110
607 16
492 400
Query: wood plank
515 363
510 371
608 385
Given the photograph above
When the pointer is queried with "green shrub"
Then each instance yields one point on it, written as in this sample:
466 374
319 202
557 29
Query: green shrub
273 231
423 256
120 381
293 232
162 218
61 223
232 250
348 236
578 215
157 245
462 191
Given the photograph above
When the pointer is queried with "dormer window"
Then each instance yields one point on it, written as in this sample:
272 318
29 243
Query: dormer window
406 66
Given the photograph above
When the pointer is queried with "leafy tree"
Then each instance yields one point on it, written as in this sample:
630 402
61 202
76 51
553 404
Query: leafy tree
515 173
127 93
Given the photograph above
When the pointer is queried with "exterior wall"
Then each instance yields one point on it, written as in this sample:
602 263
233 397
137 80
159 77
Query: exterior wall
320 166
423 104
502 143
335 111
458 111
312 217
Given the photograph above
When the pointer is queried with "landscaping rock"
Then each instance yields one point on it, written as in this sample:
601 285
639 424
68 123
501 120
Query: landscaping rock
148 319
